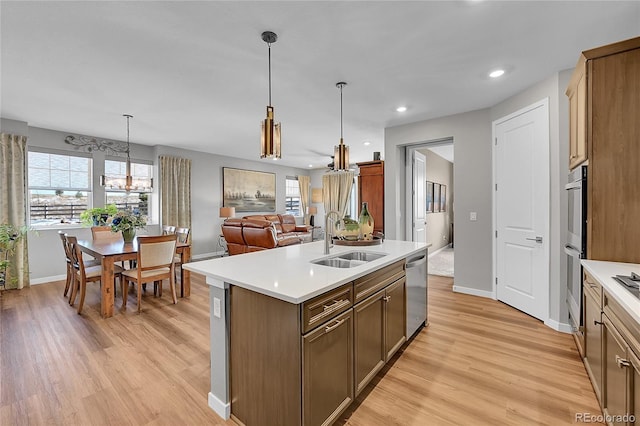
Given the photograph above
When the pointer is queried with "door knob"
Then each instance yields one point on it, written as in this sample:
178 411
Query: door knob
536 239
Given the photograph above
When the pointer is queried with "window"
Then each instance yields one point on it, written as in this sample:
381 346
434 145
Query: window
114 182
59 187
293 197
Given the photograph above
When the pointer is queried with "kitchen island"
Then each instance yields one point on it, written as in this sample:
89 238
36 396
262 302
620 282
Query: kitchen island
279 321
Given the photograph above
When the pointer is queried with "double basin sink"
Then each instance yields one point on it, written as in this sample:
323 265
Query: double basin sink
349 259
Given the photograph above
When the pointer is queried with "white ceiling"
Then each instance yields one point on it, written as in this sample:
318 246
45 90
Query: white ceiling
444 151
194 74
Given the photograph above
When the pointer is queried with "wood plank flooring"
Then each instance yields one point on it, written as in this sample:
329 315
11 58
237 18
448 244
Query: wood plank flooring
478 362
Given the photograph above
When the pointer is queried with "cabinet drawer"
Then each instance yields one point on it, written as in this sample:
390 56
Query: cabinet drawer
369 284
593 287
326 306
622 321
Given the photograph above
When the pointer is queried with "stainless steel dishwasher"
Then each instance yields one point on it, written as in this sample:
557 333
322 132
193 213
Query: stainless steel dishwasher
416 292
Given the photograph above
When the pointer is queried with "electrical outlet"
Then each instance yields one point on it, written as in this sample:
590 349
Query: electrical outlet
216 307
473 216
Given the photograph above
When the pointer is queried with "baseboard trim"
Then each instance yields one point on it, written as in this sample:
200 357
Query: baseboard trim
223 409
439 250
44 280
474 292
206 255
558 326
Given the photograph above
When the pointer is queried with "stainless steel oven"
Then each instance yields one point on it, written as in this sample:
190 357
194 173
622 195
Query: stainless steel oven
576 242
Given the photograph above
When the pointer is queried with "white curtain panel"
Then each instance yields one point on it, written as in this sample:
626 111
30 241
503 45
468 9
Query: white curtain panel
336 190
175 191
304 182
13 203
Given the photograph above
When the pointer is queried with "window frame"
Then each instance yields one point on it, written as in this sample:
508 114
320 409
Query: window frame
292 198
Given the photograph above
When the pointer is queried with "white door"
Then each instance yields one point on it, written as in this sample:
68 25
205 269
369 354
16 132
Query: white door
419 197
522 209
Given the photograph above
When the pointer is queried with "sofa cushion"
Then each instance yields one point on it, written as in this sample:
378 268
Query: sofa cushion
287 222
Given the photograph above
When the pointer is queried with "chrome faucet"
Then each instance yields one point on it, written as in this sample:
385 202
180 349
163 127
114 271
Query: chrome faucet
327 234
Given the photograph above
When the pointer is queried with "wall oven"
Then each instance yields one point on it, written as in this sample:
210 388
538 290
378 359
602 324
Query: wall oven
576 243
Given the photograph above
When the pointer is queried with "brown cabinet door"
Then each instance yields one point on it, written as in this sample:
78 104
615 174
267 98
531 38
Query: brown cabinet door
634 387
593 341
396 321
616 367
327 380
371 190
369 333
577 94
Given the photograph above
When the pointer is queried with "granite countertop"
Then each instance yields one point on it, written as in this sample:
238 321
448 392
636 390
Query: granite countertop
604 271
287 274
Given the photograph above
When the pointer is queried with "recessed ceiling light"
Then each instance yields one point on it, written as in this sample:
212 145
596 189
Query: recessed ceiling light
366 143
310 165
496 73
401 109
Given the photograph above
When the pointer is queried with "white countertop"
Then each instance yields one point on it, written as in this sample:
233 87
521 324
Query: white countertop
604 271
287 274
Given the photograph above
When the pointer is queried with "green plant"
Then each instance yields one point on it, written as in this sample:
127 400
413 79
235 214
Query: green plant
98 215
10 235
127 220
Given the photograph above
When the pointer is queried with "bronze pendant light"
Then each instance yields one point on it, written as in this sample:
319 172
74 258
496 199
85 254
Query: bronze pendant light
341 153
270 136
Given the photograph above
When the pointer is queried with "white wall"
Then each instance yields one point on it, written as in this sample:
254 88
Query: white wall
471 134
45 250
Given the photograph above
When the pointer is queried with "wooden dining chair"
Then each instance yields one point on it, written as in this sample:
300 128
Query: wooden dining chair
183 237
104 233
84 274
168 229
67 256
154 264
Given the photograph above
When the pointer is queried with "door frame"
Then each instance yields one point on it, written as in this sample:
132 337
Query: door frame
494 217
408 148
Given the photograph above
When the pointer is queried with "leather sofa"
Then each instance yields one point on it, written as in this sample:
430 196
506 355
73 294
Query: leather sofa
286 228
254 233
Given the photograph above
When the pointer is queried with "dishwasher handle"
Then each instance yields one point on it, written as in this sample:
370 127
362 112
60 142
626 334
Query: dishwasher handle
416 261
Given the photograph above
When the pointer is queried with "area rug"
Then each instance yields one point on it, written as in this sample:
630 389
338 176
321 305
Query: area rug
441 263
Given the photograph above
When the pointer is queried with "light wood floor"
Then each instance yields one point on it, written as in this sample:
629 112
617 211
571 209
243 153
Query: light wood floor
478 362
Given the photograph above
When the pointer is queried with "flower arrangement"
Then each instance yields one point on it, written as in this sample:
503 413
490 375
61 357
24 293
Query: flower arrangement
127 221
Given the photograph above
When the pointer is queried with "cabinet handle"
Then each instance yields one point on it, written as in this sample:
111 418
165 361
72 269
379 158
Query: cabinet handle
573 156
330 328
336 304
596 322
592 285
386 298
622 362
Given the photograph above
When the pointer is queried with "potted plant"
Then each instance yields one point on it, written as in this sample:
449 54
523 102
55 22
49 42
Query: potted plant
10 235
127 222
98 216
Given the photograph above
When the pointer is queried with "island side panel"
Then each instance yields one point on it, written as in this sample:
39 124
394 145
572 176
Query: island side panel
265 359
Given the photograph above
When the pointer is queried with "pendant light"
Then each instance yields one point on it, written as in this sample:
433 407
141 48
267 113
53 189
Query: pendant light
128 179
341 153
270 136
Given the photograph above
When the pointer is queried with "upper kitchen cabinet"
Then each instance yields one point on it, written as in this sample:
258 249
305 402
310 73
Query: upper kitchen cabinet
577 93
604 95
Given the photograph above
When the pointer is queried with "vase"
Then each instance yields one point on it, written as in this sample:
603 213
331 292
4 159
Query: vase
128 235
366 223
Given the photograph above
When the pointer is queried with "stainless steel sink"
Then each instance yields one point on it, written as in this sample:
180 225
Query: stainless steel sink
364 256
349 259
334 262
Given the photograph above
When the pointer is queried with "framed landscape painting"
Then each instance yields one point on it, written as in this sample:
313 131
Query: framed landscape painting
429 197
248 190
436 198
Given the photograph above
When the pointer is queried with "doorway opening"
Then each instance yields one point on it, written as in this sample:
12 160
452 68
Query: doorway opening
439 203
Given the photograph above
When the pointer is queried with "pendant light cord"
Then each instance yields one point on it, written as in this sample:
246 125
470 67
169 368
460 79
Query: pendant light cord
128 146
269 44
341 113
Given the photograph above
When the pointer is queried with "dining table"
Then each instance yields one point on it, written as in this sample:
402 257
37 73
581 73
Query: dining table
110 252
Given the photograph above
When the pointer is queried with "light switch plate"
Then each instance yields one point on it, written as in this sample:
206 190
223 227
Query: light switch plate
216 307
473 216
